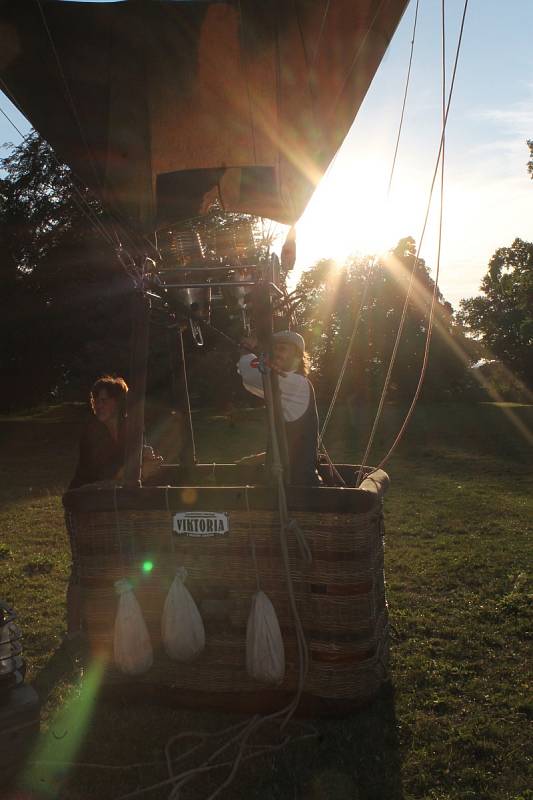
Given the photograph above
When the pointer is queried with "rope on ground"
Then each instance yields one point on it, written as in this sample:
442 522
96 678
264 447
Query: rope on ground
241 733
90 765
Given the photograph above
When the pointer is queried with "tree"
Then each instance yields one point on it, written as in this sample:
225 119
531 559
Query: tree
530 162
63 316
330 300
502 316
64 305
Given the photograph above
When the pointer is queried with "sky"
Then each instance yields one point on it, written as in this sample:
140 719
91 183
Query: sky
488 195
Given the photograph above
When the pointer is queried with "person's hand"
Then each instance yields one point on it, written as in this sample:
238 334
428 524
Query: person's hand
249 344
151 462
149 454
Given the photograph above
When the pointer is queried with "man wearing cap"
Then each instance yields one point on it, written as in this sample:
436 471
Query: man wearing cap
297 397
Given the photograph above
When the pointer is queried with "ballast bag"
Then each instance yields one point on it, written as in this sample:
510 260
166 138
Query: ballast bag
182 629
265 653
131 642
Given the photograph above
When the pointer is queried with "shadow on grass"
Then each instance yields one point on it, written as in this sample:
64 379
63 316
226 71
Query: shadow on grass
353 758
63 667
358 758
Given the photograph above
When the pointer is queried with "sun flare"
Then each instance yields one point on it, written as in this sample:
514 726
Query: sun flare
351 213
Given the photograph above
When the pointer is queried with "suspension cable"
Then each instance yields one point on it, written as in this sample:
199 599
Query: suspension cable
337 151
244 65
435 293
404 99
69 99
416 260
355 58
68 94
89 212
367 282
23 136
186 383
347 356
79 199
132 235
320 33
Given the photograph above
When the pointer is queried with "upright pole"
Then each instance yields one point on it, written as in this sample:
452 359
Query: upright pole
188 450
144 209
281 433
140 337
262 307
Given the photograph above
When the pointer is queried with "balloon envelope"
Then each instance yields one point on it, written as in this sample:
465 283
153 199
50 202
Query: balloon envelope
164 107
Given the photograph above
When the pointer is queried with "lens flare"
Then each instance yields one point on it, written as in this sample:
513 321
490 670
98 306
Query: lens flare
57 748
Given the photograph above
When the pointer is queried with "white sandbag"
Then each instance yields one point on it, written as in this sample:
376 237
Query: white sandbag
182 629
131 643
265 653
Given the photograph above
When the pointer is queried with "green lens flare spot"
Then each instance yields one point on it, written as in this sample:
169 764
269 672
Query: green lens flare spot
147 566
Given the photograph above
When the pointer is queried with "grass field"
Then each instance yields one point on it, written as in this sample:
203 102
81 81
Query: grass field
455 721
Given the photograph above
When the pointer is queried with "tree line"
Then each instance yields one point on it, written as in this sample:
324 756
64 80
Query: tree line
65 318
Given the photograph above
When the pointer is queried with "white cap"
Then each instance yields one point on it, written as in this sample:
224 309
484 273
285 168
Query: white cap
291 337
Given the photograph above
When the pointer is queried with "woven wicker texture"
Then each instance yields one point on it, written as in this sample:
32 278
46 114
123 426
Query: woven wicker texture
340 594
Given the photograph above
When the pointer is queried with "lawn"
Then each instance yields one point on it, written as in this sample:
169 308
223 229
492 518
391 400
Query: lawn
454 723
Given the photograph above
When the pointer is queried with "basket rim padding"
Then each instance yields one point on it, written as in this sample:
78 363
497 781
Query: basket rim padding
105 496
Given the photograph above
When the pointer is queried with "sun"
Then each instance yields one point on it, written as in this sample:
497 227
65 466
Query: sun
351 212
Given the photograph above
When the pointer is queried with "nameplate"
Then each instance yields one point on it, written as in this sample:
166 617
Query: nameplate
200 523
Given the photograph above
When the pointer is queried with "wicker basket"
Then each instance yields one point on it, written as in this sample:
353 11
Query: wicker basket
340 594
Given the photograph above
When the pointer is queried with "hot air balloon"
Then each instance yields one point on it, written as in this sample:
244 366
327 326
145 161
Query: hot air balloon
159 106
164 108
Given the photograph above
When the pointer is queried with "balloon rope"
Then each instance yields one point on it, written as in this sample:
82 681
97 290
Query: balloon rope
320 33
186 382
247 79
434 296
360 48
411 283
251 538
367 283
413 37
119 532
169 512
68 95
347 356
241 733
81 201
